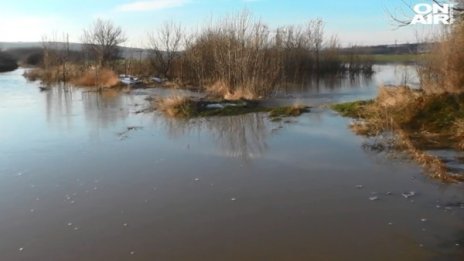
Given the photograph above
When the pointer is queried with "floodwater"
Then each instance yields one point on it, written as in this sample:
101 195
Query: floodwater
85 177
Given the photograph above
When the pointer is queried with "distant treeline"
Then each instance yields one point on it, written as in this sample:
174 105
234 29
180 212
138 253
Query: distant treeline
7 62
413 48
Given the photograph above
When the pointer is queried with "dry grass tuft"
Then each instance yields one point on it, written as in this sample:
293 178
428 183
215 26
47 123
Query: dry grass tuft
222 90
394 96
443 68
74 74
241 94
175 106
33 74
105 78
217 89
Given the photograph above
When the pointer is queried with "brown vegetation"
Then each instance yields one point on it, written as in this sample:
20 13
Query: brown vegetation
60 64
103 78
241 57
175 106
238 58
458 130
443 68
419 121
76 75
430 118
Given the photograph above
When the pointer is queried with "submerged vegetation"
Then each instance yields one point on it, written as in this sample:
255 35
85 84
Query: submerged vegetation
288 111
183 107
351 109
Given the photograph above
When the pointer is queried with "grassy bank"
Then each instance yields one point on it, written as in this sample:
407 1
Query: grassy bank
384 58
394 58
420 121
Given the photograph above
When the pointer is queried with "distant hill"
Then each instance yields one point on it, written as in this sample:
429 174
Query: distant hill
126 52
30 53
413 48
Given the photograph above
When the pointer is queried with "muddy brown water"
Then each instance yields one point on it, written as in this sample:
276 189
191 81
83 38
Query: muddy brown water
76 184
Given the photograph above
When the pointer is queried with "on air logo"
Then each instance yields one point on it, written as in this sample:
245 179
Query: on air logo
433 14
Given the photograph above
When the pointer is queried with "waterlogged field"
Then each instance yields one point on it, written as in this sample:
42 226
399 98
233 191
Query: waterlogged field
83 176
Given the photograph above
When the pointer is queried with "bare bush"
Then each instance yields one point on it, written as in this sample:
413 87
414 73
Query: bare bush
175 106
241 57
164 47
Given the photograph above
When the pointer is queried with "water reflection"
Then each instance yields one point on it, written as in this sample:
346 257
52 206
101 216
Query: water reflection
67 107
103 109
242 137
356 83
58 102
100 110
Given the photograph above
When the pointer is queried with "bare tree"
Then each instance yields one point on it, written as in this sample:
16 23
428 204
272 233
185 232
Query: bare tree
102 39
165 46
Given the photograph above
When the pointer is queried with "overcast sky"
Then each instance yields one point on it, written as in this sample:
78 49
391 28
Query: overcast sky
353 21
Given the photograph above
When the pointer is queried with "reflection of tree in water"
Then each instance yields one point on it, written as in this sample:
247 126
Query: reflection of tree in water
349 80
242 136
100 109
327 83
104 108
58 102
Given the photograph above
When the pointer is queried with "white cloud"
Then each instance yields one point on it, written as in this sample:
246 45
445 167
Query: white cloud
150 5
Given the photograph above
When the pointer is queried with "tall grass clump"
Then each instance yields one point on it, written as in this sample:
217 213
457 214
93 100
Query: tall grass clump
176 106
443 68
